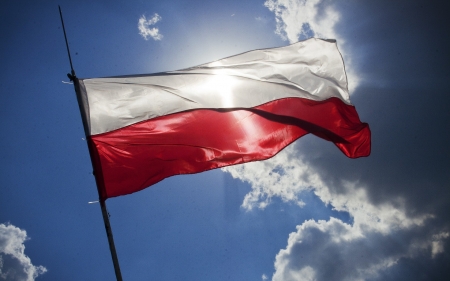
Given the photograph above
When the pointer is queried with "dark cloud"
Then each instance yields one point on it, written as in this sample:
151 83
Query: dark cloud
335 251
421 268
398 43
404 97
405 100
399 195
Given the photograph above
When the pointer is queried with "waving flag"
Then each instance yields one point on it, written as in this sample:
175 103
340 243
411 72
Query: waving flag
144 128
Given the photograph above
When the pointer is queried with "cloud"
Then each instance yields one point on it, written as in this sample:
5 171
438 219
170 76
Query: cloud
380 235
283 176
302 19
333 250
296 19
437 246
146 31
14 264
397 198
288 174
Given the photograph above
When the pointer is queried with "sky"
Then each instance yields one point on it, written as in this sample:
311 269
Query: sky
309 213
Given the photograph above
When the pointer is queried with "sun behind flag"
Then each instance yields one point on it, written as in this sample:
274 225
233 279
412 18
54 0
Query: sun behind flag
144 128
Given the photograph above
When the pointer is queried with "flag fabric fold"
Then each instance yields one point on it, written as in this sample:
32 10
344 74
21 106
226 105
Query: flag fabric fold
144 128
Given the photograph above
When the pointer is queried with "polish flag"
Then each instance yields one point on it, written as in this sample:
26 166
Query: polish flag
144 128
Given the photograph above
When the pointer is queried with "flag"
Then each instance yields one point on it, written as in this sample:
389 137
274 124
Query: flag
144 128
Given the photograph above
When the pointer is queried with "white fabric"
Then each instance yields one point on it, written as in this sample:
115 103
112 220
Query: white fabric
311 69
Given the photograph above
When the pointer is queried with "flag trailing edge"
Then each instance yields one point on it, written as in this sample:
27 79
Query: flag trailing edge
144 128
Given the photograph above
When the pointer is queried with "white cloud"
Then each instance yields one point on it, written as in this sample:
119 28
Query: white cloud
294 18
390 224
437 246
14 264
301 19
146 31
283 176
333 250
287 175
321 250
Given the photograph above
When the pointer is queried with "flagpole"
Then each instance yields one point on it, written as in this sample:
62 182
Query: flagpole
105 213
67 43
112 247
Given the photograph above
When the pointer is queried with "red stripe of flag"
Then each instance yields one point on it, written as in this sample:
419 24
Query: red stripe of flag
134 157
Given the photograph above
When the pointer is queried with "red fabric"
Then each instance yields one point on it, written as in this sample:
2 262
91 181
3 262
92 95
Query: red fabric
135 157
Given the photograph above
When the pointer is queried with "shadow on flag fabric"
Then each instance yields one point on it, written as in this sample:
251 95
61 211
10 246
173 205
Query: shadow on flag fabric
144 128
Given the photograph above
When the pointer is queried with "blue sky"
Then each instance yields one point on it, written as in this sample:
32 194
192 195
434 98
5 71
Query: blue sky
307 214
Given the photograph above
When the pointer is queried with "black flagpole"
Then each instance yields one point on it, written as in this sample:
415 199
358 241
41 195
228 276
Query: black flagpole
105 214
